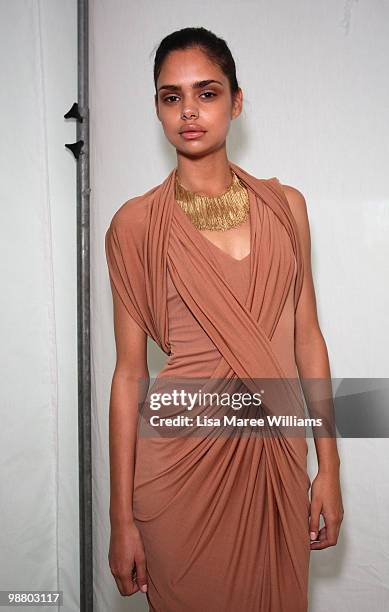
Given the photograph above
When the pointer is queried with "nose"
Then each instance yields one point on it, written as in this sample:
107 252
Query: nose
189 114
189 110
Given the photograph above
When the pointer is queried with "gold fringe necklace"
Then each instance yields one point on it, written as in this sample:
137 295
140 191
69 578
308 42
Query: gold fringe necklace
221 212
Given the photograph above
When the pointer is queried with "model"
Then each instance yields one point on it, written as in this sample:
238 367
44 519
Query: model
214 265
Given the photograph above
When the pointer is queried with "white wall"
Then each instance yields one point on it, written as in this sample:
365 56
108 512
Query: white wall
38 436
315 82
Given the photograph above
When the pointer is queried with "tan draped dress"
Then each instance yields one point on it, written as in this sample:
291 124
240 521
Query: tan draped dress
224 519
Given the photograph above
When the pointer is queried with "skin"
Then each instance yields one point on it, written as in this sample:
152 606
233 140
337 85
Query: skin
202 166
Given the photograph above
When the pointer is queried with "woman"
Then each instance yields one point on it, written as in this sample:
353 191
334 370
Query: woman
214 265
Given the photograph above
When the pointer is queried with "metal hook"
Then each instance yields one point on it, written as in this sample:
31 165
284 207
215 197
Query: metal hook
74 113
75 148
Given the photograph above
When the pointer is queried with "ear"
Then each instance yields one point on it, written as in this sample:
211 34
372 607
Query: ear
237 104
156 106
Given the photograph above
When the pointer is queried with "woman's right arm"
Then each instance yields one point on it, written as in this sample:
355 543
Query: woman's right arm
126 547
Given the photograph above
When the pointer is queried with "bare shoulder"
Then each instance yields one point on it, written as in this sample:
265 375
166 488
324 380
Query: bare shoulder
298 207
296 200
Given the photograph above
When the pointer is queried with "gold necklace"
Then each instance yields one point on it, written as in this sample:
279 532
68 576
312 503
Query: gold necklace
221 212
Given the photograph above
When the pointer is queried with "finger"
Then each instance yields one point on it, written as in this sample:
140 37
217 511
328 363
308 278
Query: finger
127 582
134 577
141 576
325 539
314 520
332 529
321 540
125 585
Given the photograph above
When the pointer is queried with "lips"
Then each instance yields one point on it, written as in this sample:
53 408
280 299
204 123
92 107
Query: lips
192 127
192 131
190 135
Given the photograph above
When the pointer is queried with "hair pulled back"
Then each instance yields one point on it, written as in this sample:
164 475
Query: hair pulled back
188 38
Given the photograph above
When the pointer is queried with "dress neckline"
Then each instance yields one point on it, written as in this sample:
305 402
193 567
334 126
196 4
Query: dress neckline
223 253
188 223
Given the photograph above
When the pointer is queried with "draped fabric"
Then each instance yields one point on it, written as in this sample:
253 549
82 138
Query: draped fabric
138 254
224 520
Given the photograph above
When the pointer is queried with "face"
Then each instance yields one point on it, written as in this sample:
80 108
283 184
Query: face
208 106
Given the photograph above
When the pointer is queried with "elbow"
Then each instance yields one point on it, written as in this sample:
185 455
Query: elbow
131 375
313 340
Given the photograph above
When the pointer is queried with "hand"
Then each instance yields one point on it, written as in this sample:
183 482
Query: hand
127 559
326 499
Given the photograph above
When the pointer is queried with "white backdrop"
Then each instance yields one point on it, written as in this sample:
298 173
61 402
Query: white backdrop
39 539
316 95
315 85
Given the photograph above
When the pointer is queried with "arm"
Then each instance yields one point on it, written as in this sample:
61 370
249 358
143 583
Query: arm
310 347
131 363
313 363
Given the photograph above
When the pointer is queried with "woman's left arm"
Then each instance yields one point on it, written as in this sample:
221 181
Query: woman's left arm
313 364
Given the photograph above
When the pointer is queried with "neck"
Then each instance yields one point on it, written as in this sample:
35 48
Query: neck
206 176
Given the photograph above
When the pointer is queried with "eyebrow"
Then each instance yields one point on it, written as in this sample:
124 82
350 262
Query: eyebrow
195 85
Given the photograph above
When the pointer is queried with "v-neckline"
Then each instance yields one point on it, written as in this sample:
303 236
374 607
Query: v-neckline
224 253
208 242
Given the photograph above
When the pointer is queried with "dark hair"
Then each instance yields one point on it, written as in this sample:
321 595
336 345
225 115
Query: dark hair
214 47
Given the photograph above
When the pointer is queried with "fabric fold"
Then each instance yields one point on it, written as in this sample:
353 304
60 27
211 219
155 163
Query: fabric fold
232 510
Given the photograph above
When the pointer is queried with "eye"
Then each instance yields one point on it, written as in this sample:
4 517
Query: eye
168 98
204 93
